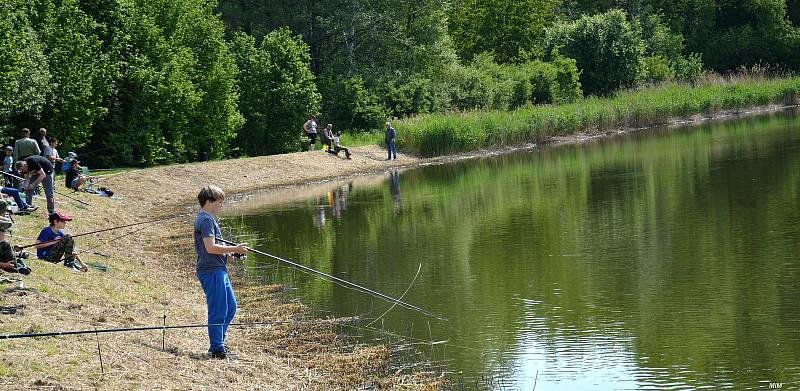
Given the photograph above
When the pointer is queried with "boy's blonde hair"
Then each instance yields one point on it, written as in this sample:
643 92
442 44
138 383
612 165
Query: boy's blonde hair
210 193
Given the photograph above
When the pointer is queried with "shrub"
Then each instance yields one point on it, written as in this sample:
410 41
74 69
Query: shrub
606 47
350 105
656 69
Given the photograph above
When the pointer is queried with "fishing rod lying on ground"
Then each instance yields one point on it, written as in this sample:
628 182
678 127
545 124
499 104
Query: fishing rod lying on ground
54 190
341 281
145 328
105 229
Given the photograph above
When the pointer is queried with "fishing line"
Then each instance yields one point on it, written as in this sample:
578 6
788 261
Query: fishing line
401 297
107 229
54 189
340 281
106 242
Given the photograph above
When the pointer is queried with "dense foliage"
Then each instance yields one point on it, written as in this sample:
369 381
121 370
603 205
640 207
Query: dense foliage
277 91
143 82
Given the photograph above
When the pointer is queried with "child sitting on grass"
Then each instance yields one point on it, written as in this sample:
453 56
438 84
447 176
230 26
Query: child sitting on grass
8 260
53 244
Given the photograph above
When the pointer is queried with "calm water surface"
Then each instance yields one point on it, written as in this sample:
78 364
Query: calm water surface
664 259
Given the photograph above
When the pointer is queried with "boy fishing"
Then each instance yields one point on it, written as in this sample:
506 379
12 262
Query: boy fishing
212 270
53 244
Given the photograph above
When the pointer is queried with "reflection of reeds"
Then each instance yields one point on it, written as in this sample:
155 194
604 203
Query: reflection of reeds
439 134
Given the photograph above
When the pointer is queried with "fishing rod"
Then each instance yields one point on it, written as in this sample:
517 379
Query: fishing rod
145 328
341 281
104 230
54 190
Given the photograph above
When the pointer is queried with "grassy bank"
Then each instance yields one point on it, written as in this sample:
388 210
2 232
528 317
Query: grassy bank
441 134
150 275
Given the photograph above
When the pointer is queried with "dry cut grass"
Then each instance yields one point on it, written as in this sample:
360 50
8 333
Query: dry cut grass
150 277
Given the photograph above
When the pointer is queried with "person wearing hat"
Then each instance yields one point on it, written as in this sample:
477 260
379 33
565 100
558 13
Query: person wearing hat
68 161
327 137
53 244
6 255
74 176
7 258
8 166
8 160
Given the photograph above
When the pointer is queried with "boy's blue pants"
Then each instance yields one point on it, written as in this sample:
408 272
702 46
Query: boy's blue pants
221 305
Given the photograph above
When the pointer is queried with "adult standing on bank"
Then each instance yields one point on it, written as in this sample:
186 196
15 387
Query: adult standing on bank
212 270
26 146
38 170
310 127
42 142
391 145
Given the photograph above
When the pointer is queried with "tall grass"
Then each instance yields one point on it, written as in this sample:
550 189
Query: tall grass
439 134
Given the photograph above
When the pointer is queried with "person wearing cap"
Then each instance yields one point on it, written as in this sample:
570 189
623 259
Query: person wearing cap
53 244
8 165
7 258
6 254
74 176
38 170
68 161
8 159
212 270
327 137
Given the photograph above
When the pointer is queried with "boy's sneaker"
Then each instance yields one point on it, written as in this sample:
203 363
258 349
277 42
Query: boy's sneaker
218 354
228 352
30 208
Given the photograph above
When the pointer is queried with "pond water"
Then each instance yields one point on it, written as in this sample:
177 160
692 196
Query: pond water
661 259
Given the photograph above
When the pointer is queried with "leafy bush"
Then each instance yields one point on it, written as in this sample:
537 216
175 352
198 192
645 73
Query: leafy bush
277 91
656 69
348 104
689 68
414 95
606 47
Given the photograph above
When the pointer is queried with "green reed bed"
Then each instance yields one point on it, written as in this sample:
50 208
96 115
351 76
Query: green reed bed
439 134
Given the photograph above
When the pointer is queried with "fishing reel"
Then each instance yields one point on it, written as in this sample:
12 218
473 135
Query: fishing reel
239 257
19 266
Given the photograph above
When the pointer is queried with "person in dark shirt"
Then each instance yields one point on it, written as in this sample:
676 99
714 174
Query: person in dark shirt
38 169
43 142
74 178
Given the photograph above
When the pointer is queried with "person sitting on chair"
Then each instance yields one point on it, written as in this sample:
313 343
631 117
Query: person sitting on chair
338 147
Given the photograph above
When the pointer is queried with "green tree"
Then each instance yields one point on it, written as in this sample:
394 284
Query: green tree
9 58
607 48
277 91
508 29
353 107
79 71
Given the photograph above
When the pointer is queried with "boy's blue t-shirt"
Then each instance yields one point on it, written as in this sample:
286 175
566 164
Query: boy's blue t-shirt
204 226
46 235
10 161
